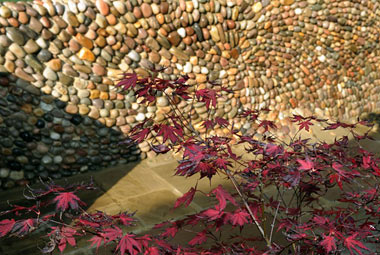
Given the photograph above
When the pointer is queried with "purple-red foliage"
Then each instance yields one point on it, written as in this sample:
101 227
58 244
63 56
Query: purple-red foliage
280 191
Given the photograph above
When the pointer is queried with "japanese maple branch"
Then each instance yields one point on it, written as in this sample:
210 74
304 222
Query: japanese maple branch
261 230
272 225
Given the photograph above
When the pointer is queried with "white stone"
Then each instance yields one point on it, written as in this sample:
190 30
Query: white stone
188 67
195 4
55 136
261 19
50 74
72 6
41 42
155 8
179 67
298 11
182 32
82 6
4 172
204 70
46 107
223 74
134 55
243 24
46 159
135 106
257 7
318 48
120 6
57 159
322 58
140 116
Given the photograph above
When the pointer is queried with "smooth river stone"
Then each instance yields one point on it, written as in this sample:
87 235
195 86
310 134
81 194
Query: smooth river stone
146 10
102 7
86 54
17 50
15 35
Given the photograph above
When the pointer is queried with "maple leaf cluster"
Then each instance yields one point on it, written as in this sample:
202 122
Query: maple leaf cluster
292 196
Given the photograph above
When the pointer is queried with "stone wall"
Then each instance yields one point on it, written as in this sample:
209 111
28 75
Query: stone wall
314 57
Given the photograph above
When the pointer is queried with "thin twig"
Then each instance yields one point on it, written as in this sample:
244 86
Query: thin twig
272 226
261 230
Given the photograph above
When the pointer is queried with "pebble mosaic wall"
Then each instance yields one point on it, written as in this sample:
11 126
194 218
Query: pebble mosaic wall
60 103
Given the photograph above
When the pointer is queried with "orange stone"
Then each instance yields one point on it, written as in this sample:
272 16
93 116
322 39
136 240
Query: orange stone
94 94
111 19
234 53
293 102
84 41
86 54
201 78
104 95
100 41
55 64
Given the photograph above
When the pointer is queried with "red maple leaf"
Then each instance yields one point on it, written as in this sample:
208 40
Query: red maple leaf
343 174
67 199
128 244
297 118
6 226
129 80
222 195
23 227
208 124
273 149
152 251
199 238
305 164
111 234
222 163
96 240
353 244
239 218
172 231
221 122
208 96
366 162
169 132
124 218
213 214
267 124
305 124
186 198
328 243
320 220
139 136
64 235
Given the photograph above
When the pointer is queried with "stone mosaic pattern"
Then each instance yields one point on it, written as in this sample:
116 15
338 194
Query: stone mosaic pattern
316 57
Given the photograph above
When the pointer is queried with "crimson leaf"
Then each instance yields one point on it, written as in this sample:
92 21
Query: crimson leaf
186 198
128 244
96 240
199 238
353 244
222 195
328 243
239 218
6 226
129 80
67 199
